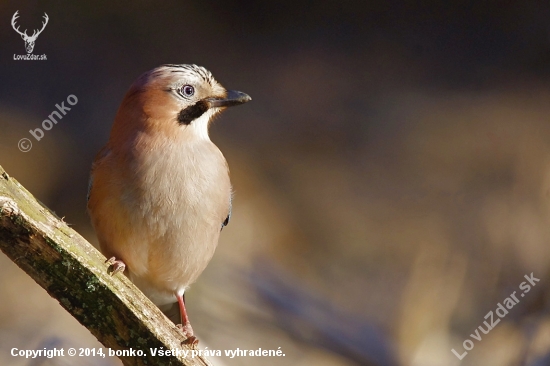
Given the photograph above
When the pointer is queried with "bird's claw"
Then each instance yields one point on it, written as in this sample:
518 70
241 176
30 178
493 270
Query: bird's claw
115 266
192 341
187 331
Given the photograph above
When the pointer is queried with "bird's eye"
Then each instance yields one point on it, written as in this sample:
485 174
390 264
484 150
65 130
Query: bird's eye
187 90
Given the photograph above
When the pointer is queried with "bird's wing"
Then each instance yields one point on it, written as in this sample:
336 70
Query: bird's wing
102 154
90 184
226 221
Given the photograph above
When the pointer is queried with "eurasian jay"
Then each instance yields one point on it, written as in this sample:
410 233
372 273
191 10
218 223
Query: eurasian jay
159 191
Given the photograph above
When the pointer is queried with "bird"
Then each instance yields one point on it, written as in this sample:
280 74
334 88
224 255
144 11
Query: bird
160 192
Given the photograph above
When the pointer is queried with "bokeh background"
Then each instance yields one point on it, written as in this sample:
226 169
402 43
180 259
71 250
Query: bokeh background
392 172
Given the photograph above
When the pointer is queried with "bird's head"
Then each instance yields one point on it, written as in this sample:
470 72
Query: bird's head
178 101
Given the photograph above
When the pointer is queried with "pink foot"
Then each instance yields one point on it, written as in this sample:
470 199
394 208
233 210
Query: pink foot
115 266
187 331
185 326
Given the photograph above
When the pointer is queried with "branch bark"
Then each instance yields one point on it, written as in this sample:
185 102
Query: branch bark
73 272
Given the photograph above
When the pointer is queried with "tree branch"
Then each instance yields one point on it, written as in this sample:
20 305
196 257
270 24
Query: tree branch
74 273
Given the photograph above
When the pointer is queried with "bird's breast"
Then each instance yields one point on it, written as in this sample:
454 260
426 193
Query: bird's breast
177 200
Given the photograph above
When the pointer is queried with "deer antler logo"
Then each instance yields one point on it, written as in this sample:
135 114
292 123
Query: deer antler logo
29 41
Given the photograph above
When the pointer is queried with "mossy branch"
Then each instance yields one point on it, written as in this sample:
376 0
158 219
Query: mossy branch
72 271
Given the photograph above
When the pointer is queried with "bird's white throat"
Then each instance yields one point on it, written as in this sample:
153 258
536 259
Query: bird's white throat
199 126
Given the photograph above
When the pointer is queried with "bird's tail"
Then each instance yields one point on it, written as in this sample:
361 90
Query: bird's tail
172 311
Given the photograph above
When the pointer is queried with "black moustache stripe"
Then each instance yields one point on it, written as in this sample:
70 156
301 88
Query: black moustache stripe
191 113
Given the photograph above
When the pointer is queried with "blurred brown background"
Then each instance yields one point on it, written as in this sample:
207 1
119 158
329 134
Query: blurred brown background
392 172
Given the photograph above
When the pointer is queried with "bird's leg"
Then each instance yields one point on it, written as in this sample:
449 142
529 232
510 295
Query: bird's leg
185 325
115 265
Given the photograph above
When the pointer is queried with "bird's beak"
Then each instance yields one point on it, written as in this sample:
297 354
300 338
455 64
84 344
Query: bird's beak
233 98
